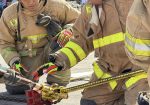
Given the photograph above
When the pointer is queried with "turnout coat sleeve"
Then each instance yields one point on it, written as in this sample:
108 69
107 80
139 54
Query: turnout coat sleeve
7 39
80 45
137 39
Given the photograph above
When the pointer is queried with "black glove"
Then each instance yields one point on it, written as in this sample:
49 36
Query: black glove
143 98
53 29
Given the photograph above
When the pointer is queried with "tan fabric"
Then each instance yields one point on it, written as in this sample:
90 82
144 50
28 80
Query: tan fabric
108 57
112 58
132 93
138 25
59 10
102 95
148 76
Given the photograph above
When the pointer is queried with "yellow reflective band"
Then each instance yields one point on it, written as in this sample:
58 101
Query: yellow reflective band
77 49
136 46
108 40
137 40
36 38
137 52
70 55
112 84
135 79
88 8
100 74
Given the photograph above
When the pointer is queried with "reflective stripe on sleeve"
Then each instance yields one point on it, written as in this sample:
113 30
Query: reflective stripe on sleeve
77 49
70 55
108 40
137 46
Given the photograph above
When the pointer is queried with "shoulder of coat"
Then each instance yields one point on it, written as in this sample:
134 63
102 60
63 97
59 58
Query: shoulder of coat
10 15
10 11
88 8
55 6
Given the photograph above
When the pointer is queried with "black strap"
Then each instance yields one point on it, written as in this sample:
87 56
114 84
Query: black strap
18 26
45 2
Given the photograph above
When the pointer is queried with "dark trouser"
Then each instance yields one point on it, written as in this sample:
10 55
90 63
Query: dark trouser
18 89
87 102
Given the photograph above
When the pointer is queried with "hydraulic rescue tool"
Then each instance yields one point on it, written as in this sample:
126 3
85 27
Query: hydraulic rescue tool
55 93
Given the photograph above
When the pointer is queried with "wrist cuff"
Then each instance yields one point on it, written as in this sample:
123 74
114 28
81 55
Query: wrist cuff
12 61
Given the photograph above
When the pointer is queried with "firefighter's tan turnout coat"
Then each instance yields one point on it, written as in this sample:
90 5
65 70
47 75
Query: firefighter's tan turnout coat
101 29
137 37
33 48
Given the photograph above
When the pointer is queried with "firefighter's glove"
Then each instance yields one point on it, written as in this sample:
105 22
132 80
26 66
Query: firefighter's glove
10 77
143 98
18 67
48 68
64 37
53 92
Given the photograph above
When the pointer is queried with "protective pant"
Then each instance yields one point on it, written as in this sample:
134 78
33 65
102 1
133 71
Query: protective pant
103 95
32 63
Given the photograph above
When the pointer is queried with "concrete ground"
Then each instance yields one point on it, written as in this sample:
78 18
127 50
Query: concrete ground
74 98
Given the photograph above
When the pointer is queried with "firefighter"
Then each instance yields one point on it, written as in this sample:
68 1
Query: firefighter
100 28
137 39
24 45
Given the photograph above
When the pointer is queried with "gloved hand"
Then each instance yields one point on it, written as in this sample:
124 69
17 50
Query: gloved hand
47 68
143 98
18 67
53 92
64 37
10 77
